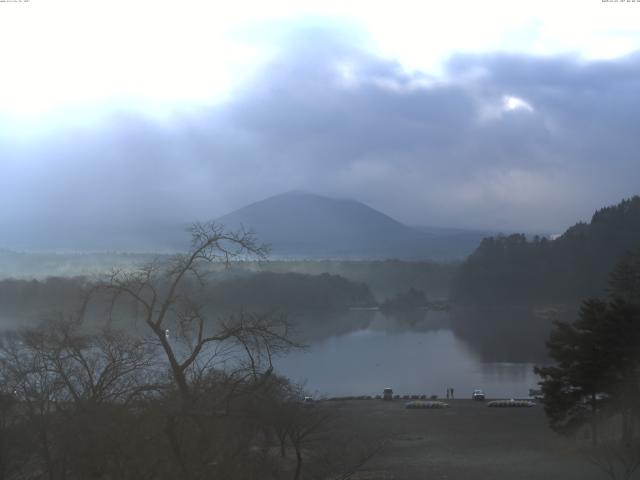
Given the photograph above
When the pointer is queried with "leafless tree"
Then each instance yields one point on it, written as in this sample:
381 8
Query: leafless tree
214 362
7 431
71 390
617 455
189 337
323 442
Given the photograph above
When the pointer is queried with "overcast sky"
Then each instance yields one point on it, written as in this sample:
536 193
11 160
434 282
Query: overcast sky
511 116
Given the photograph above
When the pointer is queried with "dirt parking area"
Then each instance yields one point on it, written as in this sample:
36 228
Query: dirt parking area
468 440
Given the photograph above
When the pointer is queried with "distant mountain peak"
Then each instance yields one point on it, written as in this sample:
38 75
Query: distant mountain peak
310 195
302 224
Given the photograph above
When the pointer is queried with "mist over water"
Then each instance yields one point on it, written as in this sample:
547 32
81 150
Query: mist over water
351 351
412 360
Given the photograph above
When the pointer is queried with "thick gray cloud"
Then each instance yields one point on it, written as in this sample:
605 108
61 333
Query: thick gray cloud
503 142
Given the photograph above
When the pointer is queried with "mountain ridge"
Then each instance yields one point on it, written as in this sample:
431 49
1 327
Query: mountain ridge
309 225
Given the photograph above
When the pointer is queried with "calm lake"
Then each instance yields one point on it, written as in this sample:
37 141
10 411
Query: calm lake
425 360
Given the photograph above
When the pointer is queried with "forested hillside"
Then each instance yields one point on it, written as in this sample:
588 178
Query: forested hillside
514 270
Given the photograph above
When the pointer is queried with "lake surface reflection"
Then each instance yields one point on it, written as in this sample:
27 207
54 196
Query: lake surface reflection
411 361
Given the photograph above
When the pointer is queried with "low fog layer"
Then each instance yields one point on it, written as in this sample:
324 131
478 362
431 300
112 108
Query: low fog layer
501 142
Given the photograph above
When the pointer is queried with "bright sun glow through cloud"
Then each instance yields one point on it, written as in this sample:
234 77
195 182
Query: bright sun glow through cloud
515 103
155 55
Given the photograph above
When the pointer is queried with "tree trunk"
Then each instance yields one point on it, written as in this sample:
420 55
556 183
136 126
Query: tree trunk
627 427
178 373
172 434
46 453
594 420
282 440
3 446
298 462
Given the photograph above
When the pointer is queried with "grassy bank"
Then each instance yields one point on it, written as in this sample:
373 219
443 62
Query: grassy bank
468 440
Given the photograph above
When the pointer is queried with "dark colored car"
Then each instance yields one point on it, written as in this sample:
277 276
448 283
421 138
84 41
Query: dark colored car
387 394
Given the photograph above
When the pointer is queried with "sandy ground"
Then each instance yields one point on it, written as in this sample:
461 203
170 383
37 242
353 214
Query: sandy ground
466 441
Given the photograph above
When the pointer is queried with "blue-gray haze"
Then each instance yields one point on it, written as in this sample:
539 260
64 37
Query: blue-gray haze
326 116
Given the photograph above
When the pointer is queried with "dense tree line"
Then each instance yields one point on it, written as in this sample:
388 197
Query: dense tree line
33 300
385 278
36 298
595 378
292 292
515 270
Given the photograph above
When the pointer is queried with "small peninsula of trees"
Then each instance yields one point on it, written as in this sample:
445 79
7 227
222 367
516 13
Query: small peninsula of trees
410 300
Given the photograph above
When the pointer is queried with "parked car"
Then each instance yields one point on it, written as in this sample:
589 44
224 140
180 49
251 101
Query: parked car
478 394
387 394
